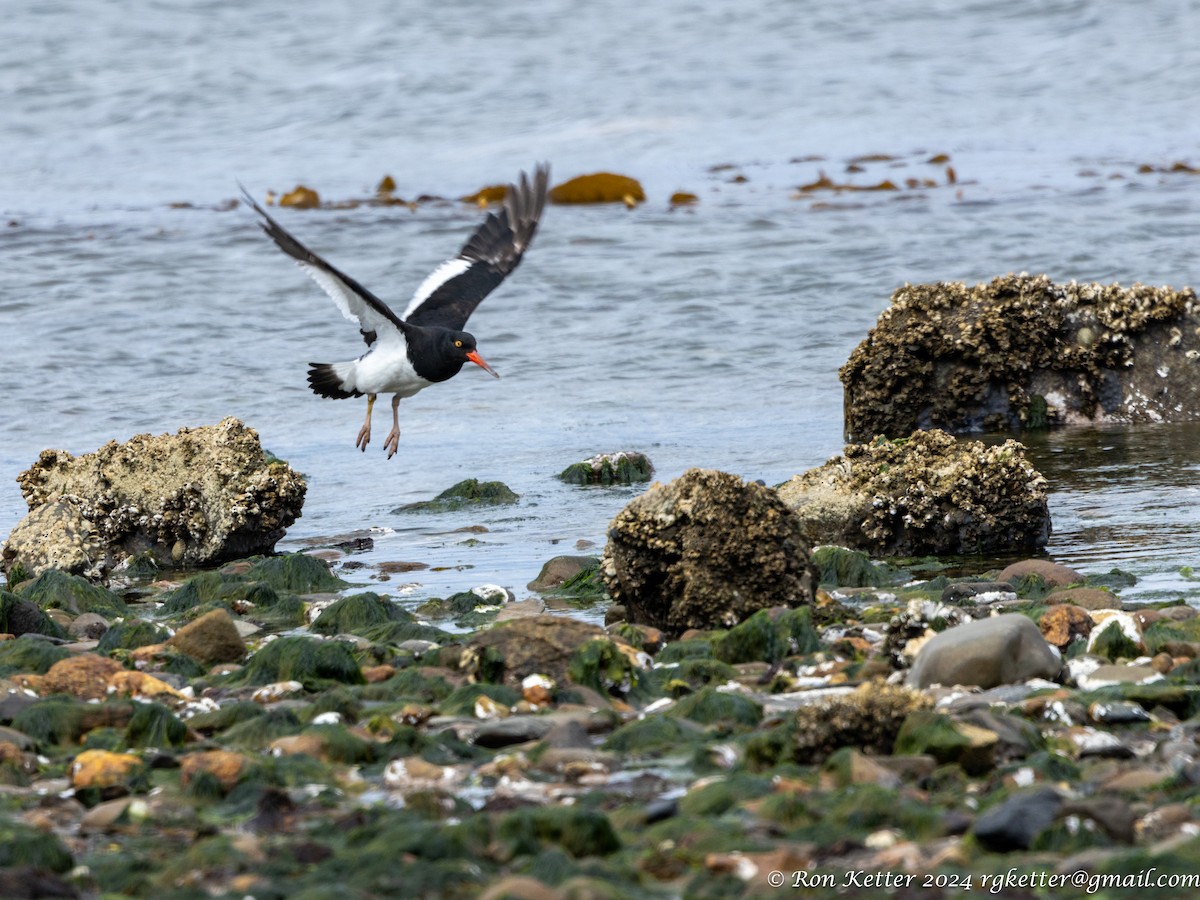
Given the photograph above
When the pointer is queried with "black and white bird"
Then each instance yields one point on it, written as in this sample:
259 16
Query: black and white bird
426 344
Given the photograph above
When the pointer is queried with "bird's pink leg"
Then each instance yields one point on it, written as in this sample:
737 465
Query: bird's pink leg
364 433
393 439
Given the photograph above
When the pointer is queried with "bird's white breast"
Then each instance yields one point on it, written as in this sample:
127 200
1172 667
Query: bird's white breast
385 369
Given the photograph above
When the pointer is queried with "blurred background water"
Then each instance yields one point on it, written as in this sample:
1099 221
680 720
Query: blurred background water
134 299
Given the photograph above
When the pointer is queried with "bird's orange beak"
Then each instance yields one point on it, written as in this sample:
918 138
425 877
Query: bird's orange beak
474 357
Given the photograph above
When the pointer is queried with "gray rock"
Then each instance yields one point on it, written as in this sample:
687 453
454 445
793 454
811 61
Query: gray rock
987 652
190 499
560 569
1111 813
1054 574
19 615
89 626
568 734
494 733
707 550
1017 821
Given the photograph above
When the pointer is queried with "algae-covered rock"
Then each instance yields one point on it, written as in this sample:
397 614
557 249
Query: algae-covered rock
559 570
296 572
1023 352
654 735
130 634
302 659
358 614
153 725
948 741
194 498
24 846
19 616
580 832
706 551
606 666
212 638
600 187
468 493
537 645
29 655
927 495
870 718
55 589
768 636
714 707
624 467
842 567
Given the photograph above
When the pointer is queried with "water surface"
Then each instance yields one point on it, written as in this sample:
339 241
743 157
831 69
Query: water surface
132 299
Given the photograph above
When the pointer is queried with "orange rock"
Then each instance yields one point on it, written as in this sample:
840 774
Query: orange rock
414 714
1060 624
294 744
148 653
102 769
1086 597
85 676
29 681
224 765
127 683
376 674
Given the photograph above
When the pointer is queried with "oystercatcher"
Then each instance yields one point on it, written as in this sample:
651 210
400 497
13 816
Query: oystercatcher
426 344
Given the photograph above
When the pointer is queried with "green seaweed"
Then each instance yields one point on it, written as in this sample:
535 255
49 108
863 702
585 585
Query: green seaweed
467 493
54 589
303 659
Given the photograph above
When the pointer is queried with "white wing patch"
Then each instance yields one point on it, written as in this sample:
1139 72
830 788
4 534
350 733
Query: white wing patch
451 268
352 306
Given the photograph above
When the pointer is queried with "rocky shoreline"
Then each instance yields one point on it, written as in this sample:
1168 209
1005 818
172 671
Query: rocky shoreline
266 729
792 689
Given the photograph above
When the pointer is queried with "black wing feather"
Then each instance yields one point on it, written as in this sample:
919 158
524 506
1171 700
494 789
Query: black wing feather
297 251
493 251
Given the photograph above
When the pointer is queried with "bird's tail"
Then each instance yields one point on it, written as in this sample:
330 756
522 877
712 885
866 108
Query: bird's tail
325 381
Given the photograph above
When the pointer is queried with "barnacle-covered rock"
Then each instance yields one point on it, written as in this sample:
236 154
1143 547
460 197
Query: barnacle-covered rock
869 718
930 494
707 550
1024 352
195 498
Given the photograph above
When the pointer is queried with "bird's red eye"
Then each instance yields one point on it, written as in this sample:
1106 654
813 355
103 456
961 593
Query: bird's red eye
458 343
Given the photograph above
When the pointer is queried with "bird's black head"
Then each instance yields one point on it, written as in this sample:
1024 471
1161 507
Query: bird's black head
460 347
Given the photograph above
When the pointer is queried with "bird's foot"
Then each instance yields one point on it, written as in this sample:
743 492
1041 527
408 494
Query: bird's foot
364 438
392 444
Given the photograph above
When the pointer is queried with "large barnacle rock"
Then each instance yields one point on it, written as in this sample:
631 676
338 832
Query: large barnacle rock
707 550
930 494
1023 352
194 498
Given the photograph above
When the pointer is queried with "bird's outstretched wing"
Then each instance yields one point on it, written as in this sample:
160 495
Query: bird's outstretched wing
452 291
355 301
